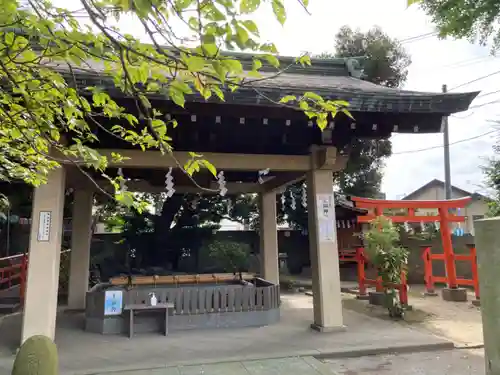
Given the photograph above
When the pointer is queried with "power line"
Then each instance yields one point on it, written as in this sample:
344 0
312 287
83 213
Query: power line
478 106
484 104
441 146
487 94
475 80
455 65
417 38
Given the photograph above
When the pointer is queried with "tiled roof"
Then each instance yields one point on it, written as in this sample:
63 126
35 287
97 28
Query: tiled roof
330 78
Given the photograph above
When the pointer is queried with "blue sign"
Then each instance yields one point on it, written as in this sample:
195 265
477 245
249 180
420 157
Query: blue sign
113 302
458 232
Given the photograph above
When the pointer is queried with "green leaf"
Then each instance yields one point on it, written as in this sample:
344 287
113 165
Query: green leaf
256 64
242 34
160 127
288 98
342 103
249 6
210 167
303 105
220 70
212 13
411 2
217 90
195 63
251 26
210 49
177 96
233 66
304 60
181 5
279 11
313 96
347 113
9 38
125 198
322 122
181 86
273 60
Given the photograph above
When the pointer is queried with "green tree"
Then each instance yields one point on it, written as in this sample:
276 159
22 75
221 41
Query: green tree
231 256
473 20
385 62
152 235
492 179
47 119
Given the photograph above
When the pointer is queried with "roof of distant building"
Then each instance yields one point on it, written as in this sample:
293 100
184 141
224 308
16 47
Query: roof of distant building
438 183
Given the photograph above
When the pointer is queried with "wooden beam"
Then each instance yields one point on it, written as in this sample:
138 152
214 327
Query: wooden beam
232 188
222 161
279 183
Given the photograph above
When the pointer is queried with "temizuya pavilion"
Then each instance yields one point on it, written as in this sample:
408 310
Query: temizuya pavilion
241 136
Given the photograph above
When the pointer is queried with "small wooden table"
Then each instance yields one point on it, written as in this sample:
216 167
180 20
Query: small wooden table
143 307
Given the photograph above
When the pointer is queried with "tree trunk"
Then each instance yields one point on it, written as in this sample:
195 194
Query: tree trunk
162 232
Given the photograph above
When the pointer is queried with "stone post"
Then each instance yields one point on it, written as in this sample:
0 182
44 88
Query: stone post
327 298
269 263
44 257
81 237
488 256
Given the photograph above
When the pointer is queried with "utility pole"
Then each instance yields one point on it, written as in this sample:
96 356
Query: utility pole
446 147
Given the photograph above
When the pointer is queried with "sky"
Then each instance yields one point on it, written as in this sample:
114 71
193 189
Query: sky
434 63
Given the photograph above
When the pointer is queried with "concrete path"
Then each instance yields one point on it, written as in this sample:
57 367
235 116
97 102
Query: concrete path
86 353
280 366
451 362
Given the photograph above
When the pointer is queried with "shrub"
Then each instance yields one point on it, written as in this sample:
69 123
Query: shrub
230 255
37 356
388 257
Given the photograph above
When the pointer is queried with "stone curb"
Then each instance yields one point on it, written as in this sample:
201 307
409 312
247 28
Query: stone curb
346 290
404 349
470 346
320 355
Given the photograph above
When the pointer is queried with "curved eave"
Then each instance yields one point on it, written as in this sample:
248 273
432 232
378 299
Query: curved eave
362 96
365 101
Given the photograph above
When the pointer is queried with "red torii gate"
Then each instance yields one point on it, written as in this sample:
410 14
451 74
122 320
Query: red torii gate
377 207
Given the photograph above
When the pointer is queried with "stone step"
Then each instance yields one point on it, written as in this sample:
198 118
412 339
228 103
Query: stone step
9 300
8 308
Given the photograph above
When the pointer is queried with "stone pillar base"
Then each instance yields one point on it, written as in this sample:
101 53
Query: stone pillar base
376 298
73 311
430 293
318 328
454 294
476 302
364 297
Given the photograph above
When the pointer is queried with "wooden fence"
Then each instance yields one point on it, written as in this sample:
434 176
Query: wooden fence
206 299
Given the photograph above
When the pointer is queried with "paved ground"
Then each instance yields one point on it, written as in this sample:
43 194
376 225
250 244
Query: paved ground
452 362
83 353
458 321
281 366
